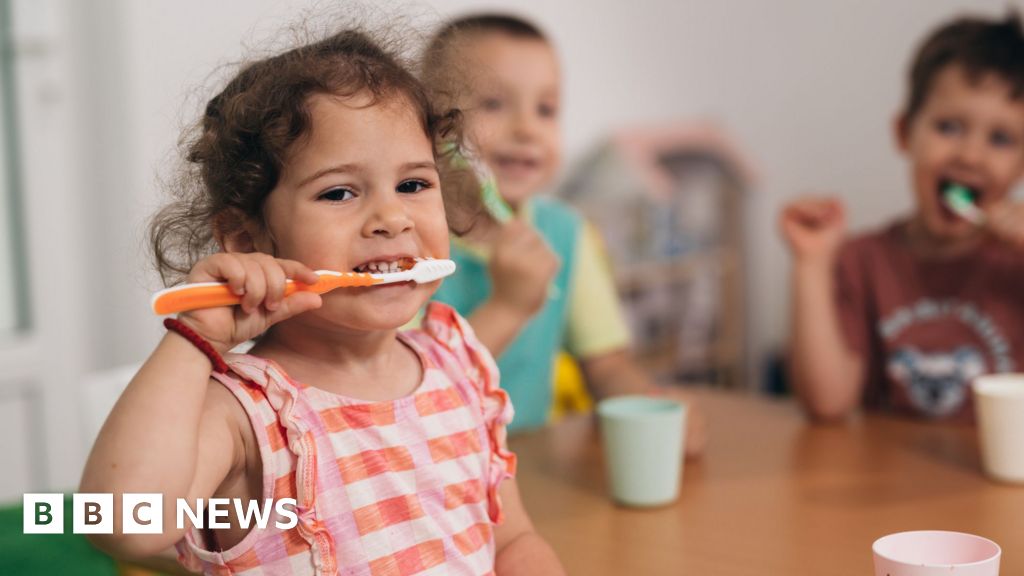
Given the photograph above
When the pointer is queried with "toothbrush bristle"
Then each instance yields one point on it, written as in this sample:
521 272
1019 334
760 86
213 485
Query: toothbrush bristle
961 200
957 196
425 269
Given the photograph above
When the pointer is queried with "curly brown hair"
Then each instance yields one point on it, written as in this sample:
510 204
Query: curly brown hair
235 153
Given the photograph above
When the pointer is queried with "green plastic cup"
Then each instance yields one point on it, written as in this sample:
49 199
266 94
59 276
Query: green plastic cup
643 447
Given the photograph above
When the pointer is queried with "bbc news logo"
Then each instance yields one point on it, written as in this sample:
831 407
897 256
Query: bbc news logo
144 513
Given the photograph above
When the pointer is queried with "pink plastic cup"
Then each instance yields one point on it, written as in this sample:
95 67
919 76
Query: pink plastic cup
934 553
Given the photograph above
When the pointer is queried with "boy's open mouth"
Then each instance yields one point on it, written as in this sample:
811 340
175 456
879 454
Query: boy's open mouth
385 266
945 183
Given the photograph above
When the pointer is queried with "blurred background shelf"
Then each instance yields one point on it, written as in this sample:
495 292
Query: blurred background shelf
669 204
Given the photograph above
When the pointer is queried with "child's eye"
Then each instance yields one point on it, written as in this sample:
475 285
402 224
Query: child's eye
412 186
548 111
336 195
491 104
948 127
1002 139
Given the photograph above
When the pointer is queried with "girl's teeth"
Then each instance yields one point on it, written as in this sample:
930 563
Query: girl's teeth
380 267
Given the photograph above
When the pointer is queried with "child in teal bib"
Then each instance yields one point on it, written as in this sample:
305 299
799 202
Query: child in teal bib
546 289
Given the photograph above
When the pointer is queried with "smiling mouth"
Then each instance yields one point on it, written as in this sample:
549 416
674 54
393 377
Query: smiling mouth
386 266
516 163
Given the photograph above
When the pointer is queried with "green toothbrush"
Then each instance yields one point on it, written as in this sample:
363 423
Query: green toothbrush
489 195
960 200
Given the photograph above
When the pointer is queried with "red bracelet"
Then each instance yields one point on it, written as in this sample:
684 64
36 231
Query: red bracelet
175 325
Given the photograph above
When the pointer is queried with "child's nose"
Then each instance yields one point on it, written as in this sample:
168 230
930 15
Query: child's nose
389 216
524 125
971 150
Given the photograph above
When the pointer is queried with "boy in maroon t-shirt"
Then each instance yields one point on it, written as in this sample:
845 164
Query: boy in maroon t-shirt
906 317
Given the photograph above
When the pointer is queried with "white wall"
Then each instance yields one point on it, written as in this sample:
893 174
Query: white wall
807 87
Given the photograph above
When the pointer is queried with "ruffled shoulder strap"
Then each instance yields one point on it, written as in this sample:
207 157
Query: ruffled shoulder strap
272 401
471 363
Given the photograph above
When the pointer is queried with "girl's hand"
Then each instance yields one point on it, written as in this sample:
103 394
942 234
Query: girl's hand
1005 220
522 268
813 227
260 280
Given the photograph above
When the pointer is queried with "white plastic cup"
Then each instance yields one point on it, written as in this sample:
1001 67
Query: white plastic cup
935 553
999 408
643 445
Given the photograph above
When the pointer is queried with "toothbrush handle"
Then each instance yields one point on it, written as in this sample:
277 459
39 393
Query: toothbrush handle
200 295
213 294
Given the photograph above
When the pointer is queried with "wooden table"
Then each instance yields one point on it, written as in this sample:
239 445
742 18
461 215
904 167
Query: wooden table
773 495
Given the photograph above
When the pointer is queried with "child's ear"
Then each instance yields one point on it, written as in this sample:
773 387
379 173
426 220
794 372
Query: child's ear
233 231
901 131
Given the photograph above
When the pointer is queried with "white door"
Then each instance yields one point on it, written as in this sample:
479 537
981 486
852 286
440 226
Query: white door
42 315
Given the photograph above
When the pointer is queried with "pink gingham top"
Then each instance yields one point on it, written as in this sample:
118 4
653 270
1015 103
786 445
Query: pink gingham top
407 486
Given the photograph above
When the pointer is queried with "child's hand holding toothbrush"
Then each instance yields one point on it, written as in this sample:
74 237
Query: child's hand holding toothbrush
522 265
522 268
260 280
1005 220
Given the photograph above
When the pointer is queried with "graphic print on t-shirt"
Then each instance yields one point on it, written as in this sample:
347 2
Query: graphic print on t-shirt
936 347
936 383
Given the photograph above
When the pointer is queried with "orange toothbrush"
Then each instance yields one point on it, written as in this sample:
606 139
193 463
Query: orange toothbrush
212 294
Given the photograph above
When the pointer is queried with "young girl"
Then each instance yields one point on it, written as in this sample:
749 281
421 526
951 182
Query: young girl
392 444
